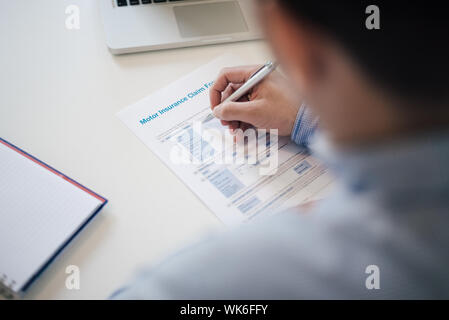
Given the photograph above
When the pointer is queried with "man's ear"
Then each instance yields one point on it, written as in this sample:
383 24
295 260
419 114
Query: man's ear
297 46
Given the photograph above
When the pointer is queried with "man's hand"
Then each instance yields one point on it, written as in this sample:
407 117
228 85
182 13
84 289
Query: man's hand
270 105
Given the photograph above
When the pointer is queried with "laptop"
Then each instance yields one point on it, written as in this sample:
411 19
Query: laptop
142 25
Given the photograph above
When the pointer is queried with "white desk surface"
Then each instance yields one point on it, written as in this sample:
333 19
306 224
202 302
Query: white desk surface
60 91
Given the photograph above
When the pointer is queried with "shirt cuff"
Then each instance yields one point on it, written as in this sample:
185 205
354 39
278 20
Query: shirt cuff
304 127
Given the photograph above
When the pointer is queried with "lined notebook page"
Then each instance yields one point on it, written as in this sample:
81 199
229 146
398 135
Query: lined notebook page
39 212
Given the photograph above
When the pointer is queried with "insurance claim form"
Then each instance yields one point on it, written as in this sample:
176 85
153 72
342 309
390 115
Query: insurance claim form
271 175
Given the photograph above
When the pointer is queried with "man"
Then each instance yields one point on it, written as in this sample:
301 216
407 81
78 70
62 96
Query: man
381 97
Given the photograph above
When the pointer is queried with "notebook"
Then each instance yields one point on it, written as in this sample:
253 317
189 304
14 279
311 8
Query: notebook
41 211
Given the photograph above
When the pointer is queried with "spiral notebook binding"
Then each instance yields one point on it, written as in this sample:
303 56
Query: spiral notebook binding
7 288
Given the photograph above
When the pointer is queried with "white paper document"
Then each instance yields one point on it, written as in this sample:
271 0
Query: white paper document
239 181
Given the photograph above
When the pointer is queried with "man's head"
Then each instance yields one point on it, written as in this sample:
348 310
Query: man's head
365 84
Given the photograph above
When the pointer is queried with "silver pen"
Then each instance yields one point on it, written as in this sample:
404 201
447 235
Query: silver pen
255 79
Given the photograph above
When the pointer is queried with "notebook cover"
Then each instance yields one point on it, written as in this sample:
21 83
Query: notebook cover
77 231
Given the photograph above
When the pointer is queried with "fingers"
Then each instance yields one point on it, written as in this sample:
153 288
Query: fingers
245 126
226 76
225 94
238 111
230 89
234 125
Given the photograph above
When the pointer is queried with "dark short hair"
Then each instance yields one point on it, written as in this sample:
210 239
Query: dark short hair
409 54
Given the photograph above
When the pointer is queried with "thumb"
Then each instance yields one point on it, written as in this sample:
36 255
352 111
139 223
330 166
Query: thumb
237 111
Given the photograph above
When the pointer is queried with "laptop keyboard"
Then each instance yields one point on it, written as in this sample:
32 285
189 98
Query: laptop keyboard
122 3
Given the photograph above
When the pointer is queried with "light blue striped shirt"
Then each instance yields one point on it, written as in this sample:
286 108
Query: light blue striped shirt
304 127
388 216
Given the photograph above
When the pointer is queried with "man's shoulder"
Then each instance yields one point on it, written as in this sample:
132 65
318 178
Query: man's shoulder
329 253
285 256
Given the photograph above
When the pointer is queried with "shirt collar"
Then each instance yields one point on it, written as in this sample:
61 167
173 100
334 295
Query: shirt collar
414 166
